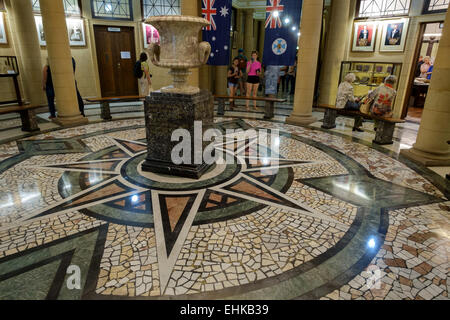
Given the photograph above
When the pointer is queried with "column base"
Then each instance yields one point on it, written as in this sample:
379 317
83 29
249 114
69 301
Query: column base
71 121
426 159
168 168
301 120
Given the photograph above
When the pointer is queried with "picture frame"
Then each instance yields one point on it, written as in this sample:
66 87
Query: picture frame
75 30
40 30
3 37
364 36
150 35
395 33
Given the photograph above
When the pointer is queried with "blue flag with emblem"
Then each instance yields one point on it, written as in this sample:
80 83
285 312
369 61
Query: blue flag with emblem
282 32
218 13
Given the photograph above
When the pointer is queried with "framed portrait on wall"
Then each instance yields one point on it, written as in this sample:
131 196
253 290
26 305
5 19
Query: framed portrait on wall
364 36
75 30
3 39
394 35
40 30
151 35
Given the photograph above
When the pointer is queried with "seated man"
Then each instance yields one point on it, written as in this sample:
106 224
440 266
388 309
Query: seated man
346 100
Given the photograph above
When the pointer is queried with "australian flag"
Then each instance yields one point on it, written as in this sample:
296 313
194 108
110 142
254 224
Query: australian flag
282 32
218 13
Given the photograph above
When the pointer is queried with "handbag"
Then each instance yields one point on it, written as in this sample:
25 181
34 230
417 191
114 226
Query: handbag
366 104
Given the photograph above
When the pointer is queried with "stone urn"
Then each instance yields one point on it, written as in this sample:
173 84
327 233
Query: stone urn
179 49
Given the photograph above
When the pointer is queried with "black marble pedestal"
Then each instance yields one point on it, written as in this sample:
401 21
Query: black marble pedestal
166 112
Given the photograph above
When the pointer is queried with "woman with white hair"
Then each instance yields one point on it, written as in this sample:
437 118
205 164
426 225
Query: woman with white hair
346 100
383 98
425 67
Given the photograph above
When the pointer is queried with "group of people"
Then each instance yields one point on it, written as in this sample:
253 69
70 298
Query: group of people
424 68
236 77
143 75
246 76
379 100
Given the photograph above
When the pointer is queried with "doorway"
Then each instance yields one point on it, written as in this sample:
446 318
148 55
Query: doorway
422 71
116 56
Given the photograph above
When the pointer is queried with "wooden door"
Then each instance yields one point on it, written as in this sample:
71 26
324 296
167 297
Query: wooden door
116 56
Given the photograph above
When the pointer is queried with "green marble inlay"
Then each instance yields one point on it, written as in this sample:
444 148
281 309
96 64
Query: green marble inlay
40 279
370 192
30 285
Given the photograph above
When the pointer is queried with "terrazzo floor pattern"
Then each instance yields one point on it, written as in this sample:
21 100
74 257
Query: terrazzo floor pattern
313 216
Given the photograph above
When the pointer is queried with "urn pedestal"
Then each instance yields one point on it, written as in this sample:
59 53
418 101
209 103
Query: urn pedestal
178 106
166 112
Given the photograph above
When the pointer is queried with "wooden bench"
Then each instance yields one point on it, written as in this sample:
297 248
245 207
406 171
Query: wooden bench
384 133
105 107
27 115
269 104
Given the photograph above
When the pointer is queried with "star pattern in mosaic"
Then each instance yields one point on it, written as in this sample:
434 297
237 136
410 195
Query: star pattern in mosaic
314 217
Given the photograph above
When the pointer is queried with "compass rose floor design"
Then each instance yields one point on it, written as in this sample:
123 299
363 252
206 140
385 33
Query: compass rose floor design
323 217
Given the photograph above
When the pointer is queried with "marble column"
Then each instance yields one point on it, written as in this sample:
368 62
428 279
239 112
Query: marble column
60 59
192 8
335 51
248 33
310 28
30 51
240 30
221 80
261 35
431 148
255 31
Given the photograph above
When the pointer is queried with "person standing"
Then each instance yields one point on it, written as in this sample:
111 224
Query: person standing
80 99
253 71
292 71
234 74
242 66
142 72
47 86
271 77
283 78
425 67
419 64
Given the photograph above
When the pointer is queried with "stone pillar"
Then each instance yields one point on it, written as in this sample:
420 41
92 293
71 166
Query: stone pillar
254 34
261 35
431 148
192 8
60 58
248 33
240 30
220 87
30 51
334 52
310 28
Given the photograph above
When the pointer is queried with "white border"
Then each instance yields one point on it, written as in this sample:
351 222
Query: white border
356 25
396 48
4 39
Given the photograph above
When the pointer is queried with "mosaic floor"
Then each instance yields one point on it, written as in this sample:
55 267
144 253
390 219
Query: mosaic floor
322 217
